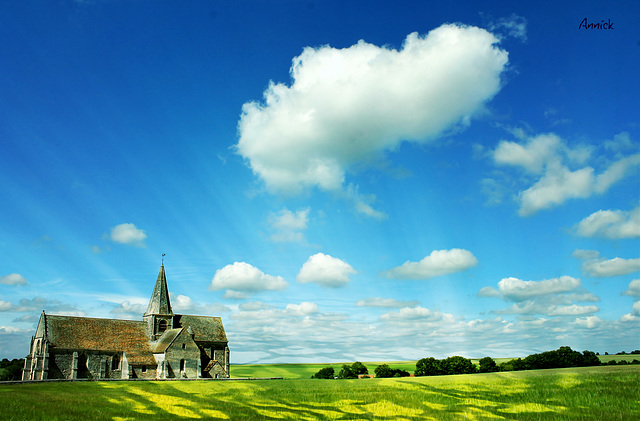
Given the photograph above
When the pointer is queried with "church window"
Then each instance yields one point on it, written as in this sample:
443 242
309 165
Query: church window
162 326
182 365
144 368
115 362
184 346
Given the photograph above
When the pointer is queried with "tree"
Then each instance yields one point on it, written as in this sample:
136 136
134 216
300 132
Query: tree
487 365
397 372
324 373
359 368
458 365
11 370
347 372
428 367
589 359
383 370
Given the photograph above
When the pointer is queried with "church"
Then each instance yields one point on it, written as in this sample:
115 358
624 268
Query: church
163 345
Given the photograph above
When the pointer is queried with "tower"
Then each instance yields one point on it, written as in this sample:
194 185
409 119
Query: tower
159 316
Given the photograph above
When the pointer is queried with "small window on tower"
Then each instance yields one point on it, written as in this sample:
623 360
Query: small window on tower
162 326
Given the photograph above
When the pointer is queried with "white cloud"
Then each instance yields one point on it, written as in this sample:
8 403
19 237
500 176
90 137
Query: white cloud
515 289
550 297
288 225
560 171
574 310
241 278
326 271
416 313
385 303
613 224
588 322
128 234
347 107
603 268
634 289
514 26
13 279
532 156
634 316
129 310
438 263
302 309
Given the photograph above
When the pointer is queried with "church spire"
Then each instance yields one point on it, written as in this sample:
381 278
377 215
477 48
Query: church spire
159 303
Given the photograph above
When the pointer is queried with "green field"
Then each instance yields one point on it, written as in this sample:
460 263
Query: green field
589 393
304 371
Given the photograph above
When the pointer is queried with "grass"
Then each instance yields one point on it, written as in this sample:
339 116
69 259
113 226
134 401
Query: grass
589 393
305 371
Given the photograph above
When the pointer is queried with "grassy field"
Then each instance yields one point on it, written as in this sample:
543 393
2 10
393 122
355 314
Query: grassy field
304 371
590 393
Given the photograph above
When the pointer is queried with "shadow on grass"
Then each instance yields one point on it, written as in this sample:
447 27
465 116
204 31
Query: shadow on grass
554 394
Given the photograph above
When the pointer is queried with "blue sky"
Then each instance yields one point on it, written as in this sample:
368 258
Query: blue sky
337 181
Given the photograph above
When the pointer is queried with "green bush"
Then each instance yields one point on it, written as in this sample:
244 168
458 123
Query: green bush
487 365
359 368
347 372
324 373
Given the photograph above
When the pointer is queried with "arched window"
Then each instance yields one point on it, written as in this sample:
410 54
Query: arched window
162 326
182 365
115 362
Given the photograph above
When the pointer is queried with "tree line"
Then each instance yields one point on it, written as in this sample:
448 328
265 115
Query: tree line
562 357
11 370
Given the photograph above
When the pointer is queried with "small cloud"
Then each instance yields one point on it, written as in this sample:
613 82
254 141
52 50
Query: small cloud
612 224
240 279
385 303
603 268
129 310
515 289
13 279
574 310
588 322
128 234
513 26
438 263
634 289
302 309
288 225
326 271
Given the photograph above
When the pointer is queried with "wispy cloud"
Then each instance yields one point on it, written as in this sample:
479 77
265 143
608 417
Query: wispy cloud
559 171
385 303
289 226
549 297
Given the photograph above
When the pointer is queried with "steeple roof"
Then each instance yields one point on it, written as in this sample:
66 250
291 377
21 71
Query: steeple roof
159 303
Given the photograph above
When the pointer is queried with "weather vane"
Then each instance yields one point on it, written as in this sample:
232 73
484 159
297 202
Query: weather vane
163 254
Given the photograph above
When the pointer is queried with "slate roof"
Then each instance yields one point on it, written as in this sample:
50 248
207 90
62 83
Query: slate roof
159 303
166 339
205 328
78 333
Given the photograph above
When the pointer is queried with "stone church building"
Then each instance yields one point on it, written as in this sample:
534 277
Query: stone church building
163 345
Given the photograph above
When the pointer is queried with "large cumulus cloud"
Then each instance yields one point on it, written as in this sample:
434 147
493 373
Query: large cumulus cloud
348 106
